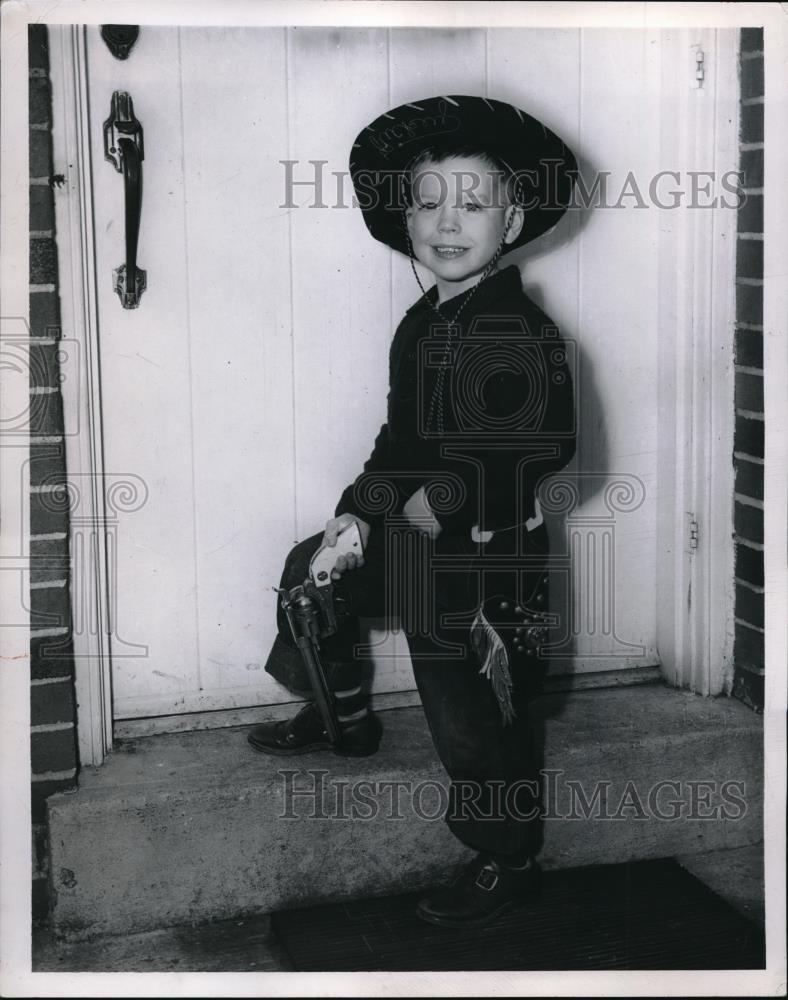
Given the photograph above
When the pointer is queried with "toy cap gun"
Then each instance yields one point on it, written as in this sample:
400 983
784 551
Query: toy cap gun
310 611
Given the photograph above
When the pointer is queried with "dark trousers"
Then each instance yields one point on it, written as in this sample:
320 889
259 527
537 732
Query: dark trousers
434 589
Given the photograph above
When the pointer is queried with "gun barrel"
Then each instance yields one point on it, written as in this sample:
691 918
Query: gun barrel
303 616
323 699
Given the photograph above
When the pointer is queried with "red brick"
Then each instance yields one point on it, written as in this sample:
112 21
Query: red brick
752 123
44 365
47 464
749 259
749 304
42 206
40 154
749 605
50 607
40 792
37 46
749 478
752 77
749 392
748 522
44 314
48 559
43 261
751 40
46 518
751 165
38 101
748 437
749 564
52 703
749 348
51 657
748 647
46 415
750 214
53 751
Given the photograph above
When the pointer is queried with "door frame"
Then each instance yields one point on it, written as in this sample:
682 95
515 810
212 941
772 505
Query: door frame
695 576
696 319
90 584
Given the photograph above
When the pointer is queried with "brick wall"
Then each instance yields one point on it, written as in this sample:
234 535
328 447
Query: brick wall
748 651
53 718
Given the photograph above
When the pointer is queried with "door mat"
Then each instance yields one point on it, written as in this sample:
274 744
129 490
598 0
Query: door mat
640 915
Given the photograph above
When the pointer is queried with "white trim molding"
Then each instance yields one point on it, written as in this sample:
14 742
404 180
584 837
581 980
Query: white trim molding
82 396
695 623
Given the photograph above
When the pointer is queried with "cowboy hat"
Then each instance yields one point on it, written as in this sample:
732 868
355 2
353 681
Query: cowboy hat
543 166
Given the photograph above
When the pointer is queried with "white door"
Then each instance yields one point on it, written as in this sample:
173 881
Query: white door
247 388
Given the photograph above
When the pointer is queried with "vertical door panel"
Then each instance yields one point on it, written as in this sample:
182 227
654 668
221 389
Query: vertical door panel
341 313
343 320
600 91
239 316
145 383
617 336
538 70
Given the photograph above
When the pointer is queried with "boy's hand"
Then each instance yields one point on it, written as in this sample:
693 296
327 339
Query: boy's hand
334 526
420 515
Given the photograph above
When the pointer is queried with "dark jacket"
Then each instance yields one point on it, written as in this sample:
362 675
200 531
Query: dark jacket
507 407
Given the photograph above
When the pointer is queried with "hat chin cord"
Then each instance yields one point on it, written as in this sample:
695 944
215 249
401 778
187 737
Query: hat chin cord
485 274
436 402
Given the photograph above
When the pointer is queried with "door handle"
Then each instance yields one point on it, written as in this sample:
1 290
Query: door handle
123 148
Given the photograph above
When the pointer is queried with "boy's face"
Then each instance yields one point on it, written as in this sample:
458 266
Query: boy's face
457 220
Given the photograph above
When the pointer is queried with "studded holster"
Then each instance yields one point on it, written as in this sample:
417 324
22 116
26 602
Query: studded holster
514 610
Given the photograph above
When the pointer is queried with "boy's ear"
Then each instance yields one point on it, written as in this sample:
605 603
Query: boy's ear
517 214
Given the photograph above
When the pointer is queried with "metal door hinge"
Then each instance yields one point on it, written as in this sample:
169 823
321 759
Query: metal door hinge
698 69
693 534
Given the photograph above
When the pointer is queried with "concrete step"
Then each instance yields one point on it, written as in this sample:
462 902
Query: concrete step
192 827
248 945
244 945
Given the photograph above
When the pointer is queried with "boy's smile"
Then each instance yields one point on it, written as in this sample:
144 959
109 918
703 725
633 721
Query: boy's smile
458 219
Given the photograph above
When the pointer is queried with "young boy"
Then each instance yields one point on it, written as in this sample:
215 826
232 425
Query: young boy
480 409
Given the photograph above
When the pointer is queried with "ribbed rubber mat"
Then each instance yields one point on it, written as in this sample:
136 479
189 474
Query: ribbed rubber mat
641 915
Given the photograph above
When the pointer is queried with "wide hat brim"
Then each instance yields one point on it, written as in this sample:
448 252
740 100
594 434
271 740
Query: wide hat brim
383 151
